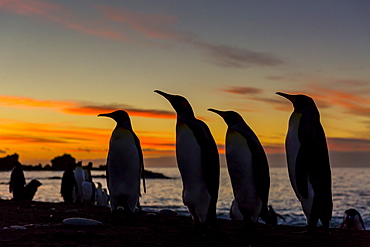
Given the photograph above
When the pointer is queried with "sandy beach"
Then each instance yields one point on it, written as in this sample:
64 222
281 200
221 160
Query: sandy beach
41 224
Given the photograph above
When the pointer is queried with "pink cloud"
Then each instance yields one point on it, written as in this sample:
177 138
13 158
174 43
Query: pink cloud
354 103
63 16
153 26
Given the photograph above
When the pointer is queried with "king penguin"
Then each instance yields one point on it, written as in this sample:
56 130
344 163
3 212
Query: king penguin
124 164
198 162
248 169
308 161
352 220
80 178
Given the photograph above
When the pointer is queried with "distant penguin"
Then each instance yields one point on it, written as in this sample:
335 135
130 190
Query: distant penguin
88 192
248 169
17 182
106 198
352 220
68 184
99 195
31 189
80 178
198 162
88 187
124 164
308 161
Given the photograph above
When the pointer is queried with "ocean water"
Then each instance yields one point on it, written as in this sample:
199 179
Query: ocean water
351 189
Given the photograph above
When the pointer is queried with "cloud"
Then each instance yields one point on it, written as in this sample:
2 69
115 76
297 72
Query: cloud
15 101
2 152
152 26
63 16
80 108
125 25
242 90
235 57
135 112
348 144
29 139
353 103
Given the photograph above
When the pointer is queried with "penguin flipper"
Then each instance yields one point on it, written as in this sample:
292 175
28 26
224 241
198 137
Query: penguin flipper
138 146
210 157
302 170
210 162
259 163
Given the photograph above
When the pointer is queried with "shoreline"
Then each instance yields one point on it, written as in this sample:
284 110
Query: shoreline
43 223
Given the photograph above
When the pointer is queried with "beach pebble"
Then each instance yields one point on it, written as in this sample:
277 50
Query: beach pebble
15 227
167 212
81 222
72 211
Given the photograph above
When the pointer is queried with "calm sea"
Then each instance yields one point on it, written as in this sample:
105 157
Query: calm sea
351 189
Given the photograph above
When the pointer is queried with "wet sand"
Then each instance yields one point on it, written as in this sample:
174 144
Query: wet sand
44 227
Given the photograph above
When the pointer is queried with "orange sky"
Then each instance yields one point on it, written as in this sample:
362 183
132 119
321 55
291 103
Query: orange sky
63 63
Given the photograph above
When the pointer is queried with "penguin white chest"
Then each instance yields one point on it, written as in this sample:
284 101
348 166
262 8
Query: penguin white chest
188 154
189 159
239 162
292 147
123 162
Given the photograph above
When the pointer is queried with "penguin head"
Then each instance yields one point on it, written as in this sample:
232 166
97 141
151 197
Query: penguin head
350 214
299 101
178 102
231 117
119 116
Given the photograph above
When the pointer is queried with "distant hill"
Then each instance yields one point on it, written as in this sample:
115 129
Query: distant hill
8 162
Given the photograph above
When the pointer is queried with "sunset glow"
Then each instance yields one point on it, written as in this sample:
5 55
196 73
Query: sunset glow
64 63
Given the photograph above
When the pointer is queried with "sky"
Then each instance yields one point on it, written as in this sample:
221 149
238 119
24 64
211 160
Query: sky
64 62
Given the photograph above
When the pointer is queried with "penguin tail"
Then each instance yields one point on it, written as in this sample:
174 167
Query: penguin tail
143 176
265 216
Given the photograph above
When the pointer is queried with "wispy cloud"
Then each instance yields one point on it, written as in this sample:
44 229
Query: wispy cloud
96 109
63 16
80 108
236 57
16 101
29 139
353 103
348 144
242 90
125 25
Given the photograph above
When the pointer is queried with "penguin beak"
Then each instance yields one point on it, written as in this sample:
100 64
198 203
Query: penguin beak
166 95
105 115
287 96
221 113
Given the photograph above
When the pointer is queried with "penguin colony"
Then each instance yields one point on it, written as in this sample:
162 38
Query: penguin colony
198 162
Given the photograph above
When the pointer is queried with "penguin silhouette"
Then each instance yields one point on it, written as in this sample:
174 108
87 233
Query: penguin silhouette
308 161
125 164
17 182
198 162
248 169
352 220
68 184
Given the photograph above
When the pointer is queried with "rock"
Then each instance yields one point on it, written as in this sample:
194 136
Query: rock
167 212
81 222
